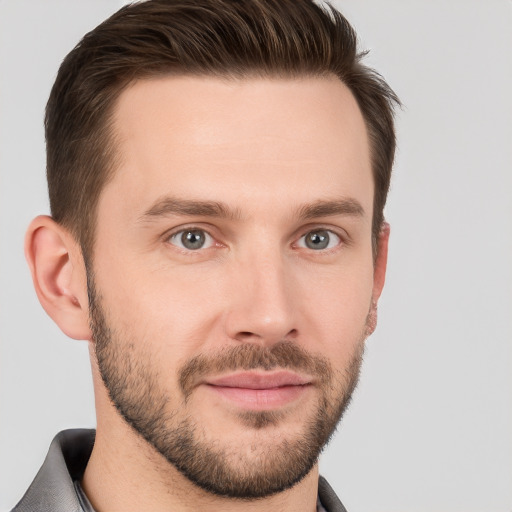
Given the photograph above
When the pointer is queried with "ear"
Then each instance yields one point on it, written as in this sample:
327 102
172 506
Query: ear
379 276
381 261
58 273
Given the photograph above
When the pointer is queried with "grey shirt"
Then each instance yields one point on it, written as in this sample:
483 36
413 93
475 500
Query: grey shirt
56 487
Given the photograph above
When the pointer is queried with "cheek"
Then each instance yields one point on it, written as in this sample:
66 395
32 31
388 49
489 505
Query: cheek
172 310
337 309
178 310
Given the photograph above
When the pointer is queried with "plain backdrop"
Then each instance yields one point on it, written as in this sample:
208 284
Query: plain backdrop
430 426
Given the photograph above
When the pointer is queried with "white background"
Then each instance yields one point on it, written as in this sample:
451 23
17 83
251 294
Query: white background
430 427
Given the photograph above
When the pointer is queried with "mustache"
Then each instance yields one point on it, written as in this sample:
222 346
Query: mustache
284 355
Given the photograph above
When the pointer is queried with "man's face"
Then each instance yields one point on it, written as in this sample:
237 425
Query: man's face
232 279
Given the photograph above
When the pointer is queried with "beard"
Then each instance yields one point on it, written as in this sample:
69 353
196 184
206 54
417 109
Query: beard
272 462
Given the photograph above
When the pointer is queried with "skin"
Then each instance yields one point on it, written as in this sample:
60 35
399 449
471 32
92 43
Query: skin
266 149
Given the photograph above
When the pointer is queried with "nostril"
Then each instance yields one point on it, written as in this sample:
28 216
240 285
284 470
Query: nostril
246 334
292 335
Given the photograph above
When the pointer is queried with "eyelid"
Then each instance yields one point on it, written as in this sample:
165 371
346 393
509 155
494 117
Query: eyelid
338 232
173 234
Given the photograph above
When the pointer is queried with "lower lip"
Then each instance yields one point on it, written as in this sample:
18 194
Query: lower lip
260 399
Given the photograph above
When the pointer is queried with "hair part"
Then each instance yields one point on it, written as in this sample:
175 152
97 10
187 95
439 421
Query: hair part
222 38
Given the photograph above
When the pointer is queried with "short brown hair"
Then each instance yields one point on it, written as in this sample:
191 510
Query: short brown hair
228 38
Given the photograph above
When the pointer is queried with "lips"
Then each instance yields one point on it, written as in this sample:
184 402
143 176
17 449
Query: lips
260 390
260 380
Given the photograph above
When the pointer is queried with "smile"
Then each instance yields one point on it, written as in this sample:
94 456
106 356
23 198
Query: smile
260 390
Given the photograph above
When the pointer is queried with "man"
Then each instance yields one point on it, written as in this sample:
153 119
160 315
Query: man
217 175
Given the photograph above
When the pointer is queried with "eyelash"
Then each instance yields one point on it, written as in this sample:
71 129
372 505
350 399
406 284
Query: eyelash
174 235
342 239
326 250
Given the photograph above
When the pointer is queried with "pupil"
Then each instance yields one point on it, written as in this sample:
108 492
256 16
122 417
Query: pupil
317 240
193 239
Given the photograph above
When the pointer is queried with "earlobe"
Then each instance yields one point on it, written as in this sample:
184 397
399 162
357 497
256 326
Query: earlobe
58 275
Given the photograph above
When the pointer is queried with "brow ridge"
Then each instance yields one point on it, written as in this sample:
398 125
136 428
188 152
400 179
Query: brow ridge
177 206
326 208
167 206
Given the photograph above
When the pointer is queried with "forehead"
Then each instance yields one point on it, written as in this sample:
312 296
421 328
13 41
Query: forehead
249 139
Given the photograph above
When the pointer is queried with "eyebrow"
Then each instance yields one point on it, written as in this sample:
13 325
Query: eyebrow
327 208
174 206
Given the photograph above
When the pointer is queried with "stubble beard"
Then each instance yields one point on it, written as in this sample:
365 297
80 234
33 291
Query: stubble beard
266 468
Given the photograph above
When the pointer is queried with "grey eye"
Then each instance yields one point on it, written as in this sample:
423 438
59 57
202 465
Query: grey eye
319 239
191 239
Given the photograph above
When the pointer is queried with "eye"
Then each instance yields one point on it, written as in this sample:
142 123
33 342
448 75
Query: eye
319 239
191 239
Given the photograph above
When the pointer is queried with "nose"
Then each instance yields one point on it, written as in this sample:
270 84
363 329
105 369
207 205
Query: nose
262 309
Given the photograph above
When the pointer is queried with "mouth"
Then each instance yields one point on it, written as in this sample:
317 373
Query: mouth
260 391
